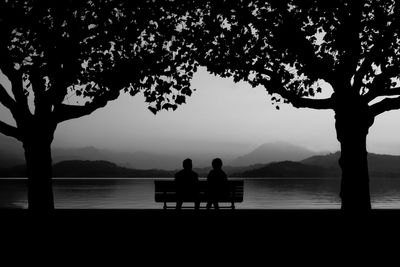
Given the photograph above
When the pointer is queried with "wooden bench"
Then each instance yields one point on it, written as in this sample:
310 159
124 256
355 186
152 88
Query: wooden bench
165 192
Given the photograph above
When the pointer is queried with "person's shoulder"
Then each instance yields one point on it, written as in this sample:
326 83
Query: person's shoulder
179 173
220 172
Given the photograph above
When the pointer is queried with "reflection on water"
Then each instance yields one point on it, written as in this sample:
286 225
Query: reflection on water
139 193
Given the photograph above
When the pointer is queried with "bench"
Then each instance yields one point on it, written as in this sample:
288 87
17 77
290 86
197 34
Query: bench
165 192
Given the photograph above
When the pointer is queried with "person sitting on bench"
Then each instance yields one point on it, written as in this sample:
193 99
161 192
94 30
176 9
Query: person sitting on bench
187 185
216 184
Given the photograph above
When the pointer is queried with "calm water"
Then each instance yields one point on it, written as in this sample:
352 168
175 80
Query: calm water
139 193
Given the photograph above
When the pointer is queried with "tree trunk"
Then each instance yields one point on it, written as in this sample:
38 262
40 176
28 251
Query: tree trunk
37 148
352 129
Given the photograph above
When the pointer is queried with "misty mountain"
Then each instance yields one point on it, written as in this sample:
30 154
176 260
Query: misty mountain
90 169
287 169
273 152
137 160
11 152
76 168
328 161
270 152
379 165
229 170
316 166
387 166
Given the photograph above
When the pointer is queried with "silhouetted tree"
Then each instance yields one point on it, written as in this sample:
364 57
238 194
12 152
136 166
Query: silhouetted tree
296 48
67 58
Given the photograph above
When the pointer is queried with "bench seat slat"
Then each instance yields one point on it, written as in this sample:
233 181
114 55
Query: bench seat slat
165 191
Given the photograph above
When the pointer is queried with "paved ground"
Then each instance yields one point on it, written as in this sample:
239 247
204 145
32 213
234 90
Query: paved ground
240 234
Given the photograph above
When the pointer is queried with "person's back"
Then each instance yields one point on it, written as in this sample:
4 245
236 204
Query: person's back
217 178
186 181
217 183
187 184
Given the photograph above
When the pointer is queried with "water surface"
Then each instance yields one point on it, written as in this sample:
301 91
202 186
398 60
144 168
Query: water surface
138 193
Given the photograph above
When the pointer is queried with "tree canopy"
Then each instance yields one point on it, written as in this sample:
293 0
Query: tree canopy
91 50
294 47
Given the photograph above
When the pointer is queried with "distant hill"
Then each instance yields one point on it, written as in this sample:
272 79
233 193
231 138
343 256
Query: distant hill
316 166
90 169
325 166
286 169
136 160
379 165
327 160
11 152
273 152
101 168
229 170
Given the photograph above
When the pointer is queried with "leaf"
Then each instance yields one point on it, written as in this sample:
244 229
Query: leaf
153 110
180 99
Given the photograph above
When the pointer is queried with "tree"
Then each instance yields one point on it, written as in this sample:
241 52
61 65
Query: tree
296 48
85 52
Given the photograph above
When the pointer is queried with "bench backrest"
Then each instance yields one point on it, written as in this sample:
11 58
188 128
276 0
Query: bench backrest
165 190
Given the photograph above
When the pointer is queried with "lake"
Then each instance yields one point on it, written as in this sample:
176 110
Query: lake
138 193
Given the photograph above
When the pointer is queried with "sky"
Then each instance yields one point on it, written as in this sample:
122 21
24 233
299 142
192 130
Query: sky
220 117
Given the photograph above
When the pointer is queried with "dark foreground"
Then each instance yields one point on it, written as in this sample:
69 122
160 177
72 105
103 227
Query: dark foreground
227 234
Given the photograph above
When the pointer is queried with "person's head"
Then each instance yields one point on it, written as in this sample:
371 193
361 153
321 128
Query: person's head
187 164
216 163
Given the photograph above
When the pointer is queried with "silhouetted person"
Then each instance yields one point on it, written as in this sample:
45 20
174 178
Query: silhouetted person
187 184
216 183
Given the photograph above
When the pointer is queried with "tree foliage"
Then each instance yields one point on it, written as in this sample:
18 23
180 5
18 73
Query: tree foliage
90 50
293 47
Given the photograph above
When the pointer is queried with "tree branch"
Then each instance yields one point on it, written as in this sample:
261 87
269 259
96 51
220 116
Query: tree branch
326 103
275 86
18 90
381 85
63 112
20 98
386 104
6 99
391 92
10 130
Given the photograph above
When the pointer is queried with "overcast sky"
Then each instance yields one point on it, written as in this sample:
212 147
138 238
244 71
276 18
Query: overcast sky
220 117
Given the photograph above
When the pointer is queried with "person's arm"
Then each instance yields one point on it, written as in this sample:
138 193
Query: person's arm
225 176
209 175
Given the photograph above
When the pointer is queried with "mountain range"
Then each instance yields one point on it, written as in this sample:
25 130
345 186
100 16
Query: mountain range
322 166
11 154
89 169
273 152
277 159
